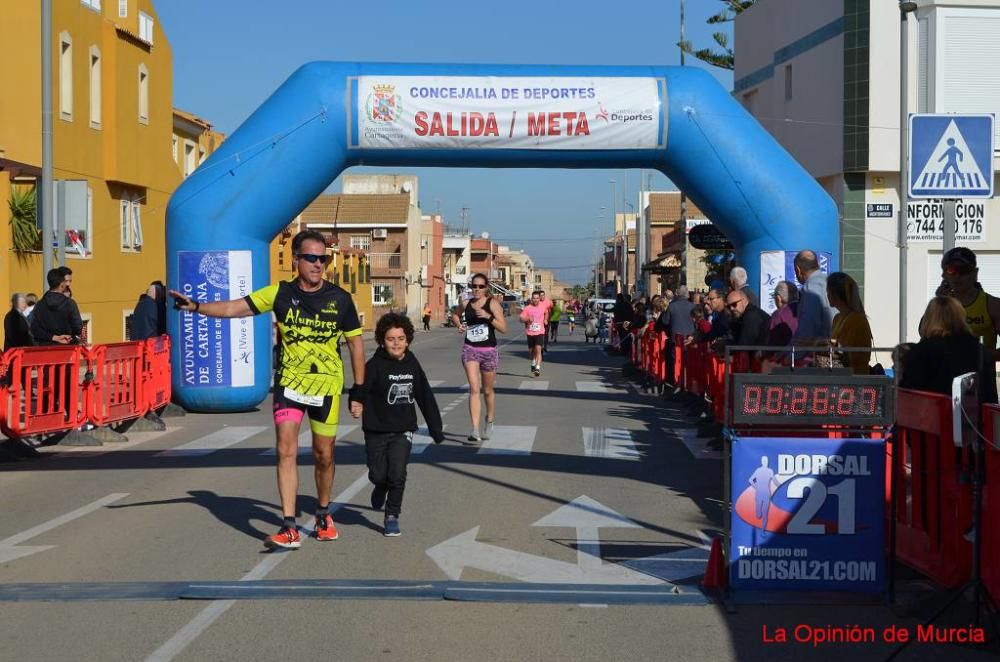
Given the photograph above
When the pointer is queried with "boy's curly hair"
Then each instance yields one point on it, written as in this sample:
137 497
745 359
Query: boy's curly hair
393 321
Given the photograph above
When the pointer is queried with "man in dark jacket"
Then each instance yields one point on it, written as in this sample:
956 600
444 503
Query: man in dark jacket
750 324
56 319
146 318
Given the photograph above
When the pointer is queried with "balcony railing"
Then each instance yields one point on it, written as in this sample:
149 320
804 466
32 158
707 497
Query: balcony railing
385 261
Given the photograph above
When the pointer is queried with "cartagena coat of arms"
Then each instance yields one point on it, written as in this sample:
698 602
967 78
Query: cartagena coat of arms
383 103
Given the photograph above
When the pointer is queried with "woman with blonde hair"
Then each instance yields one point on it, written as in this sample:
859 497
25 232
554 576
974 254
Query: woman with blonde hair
850 325
947 349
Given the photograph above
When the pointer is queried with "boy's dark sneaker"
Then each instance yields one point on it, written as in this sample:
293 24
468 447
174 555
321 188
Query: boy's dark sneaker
378 497
392 526
286 538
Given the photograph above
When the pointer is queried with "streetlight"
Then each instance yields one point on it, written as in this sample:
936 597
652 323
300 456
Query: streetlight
906 7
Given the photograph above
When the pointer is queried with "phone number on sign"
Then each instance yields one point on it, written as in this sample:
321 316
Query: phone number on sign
969 229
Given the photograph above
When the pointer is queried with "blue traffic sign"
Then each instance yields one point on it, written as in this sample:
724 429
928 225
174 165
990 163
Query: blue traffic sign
951 156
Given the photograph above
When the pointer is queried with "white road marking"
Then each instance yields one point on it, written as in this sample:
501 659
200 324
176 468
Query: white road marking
613 443
422 439
8 546
215 441
306 439
510 440
177 643
591 387
533 385
697 447
434 383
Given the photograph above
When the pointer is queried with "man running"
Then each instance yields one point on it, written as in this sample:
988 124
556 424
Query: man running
533 317
547 304
312 316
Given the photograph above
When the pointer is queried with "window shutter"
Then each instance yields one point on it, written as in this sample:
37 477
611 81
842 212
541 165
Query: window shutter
136 224
124 222
122 8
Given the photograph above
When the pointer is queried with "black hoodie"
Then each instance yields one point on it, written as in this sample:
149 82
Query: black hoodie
392 388
55 315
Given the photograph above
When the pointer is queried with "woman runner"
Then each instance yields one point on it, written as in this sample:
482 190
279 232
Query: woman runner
479 322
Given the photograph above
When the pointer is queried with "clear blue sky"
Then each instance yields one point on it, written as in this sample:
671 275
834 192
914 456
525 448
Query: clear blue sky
229 55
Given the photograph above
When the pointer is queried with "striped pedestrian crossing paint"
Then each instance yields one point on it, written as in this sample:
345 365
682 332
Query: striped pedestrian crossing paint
613 443
591 387
422 439
213 442
533 385
510 440
434 383
306 440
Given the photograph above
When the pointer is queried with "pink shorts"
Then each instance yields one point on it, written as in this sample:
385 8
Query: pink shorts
488 358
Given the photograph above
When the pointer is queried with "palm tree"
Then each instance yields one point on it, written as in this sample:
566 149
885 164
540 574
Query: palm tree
725 58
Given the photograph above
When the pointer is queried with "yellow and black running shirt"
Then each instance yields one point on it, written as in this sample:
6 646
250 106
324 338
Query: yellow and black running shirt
310 325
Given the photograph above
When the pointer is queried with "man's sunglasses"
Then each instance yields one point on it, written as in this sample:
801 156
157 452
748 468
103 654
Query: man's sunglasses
733 304
477 287
313 259
958 270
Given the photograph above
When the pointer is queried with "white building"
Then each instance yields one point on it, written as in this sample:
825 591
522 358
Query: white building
823 78
457 249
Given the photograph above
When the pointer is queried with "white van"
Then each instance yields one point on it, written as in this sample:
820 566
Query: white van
598 305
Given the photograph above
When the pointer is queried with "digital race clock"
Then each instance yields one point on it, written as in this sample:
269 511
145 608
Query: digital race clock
813 399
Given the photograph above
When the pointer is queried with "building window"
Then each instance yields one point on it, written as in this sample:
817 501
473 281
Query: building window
95 87
189 158
788 82
143 94
361 241
73 204
175 150
538 280
87 319
381 293
127 316
65 76
130 222
93 4
146 27
201 155
122 8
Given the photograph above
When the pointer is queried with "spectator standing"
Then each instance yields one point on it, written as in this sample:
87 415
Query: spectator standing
32 300
15 327
960 276
738 282
850 326
146 316
426 317
947 348
749 324
784 320
716 302
815 313
56 319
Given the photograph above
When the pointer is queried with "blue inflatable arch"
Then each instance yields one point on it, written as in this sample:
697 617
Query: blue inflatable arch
329 116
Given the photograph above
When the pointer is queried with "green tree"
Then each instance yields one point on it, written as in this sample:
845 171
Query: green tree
23 205
724 58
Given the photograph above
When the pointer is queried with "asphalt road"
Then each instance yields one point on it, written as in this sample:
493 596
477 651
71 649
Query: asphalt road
577 533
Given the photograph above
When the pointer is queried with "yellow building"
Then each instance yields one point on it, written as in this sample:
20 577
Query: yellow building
194 140
112 74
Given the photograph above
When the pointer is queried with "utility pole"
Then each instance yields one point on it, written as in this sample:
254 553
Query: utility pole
46 192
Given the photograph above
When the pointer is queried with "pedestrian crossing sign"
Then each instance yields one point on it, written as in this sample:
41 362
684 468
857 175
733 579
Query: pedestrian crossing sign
951 156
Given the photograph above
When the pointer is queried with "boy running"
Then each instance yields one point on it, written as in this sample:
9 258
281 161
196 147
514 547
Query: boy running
394 382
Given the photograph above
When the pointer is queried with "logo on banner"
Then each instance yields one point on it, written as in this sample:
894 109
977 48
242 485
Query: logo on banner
383 103
215 268
602 113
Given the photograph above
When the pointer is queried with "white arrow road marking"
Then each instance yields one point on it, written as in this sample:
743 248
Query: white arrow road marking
463 551
697 447
614 443
587 516
213 442
8 546
510 440
306 438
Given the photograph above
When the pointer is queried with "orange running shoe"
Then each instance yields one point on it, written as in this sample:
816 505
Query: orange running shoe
287 538
325 529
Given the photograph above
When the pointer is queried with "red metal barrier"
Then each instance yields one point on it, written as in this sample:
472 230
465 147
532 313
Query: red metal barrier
45 392
156 388
933 509
990 549
679 363
116 390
